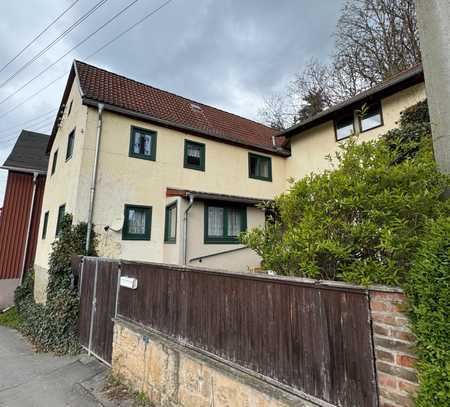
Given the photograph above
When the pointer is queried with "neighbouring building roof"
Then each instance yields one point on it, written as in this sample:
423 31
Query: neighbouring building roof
208 196
392 85
129 97
29 152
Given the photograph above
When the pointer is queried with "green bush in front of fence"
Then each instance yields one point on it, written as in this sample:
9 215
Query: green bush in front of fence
363 220
53 327
428 290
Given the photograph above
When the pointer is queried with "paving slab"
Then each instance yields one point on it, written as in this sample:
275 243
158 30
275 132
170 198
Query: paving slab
29 379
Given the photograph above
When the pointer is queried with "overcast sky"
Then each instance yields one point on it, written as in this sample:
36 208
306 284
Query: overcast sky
226 53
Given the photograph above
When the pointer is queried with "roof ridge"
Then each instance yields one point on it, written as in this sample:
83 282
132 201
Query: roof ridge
174 94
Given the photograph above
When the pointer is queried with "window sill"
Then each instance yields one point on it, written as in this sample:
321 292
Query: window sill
137 238
222 241
194 168
261 178
142 157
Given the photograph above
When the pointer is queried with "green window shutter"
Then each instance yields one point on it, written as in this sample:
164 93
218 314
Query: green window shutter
137 222
170 228
142 144
224 222
194 155
55 159
70 145
61 213
259 167
45 225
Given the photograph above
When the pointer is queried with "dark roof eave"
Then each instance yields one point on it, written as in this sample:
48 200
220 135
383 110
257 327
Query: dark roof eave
211 196
165 123
388 88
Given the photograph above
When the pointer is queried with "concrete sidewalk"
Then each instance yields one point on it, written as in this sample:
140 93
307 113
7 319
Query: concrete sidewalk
29 379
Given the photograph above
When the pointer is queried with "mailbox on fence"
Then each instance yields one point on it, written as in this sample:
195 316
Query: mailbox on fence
128 282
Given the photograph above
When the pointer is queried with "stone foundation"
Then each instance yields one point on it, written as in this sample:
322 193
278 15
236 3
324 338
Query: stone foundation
40 283
177 376
7 287
393 343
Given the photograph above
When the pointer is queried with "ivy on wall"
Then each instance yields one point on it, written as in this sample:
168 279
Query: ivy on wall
53 326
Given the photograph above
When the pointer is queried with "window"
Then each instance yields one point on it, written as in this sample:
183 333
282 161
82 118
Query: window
44 227
344 127
137 222
259 167
170 231
61 213
70 144
55 159
70 108
371 118
223 223
194 155
143 144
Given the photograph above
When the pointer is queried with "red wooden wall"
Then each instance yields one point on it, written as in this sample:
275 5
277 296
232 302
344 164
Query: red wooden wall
14 223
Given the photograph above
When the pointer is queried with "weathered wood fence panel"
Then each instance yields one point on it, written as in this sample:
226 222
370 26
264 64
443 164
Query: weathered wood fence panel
98 283
314 338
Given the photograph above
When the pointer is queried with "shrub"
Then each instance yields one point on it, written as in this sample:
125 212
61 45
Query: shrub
53 326
363 220
428 290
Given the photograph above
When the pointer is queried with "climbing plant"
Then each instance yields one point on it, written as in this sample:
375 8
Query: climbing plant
53 326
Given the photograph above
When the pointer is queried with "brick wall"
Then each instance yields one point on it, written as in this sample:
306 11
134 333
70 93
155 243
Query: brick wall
393 343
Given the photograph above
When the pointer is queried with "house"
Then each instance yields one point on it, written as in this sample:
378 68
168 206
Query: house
312 140
167 179
19 221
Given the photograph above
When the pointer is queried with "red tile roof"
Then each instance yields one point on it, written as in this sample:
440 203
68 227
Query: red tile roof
116 90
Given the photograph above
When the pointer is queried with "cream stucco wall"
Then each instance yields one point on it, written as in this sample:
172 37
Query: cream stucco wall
63 186
309 148
126 180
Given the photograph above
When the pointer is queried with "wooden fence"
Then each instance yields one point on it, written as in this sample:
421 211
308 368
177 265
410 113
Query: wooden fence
315 338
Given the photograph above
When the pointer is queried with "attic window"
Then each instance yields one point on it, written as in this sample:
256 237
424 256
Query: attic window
195 108
70 108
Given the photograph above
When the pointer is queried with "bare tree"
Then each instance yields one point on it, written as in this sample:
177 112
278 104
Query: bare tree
374 40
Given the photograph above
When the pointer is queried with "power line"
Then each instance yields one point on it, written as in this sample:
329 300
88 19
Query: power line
90 56
55 41
35 129
39 35
109 21
8 129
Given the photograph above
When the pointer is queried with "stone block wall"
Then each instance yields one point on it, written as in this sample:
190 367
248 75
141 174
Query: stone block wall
175 376
393 344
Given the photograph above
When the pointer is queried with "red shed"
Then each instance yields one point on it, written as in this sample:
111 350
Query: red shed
19 221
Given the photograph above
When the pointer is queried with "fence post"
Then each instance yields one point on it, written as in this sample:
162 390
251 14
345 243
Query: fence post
94 302
119 272
81 276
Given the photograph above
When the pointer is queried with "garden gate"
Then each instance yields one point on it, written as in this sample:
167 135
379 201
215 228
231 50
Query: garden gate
97 282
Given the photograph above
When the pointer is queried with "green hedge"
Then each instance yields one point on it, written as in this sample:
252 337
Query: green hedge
428 290
363 220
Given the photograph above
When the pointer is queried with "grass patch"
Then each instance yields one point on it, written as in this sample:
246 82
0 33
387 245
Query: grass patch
10 318
116 389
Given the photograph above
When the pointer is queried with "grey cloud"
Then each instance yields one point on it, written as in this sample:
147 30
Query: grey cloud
227 53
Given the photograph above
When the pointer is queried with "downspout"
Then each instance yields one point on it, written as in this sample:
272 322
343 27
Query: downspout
185 227
94 178
27 239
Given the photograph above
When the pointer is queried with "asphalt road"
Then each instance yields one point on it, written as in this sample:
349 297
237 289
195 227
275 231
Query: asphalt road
28 379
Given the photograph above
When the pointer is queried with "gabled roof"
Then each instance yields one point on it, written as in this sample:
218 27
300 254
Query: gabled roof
29 152
398 82
135 99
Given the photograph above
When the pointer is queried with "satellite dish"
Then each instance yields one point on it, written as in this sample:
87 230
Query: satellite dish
117 225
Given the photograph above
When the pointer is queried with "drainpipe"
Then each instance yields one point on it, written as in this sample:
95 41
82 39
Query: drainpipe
94 178
27 239
185 227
